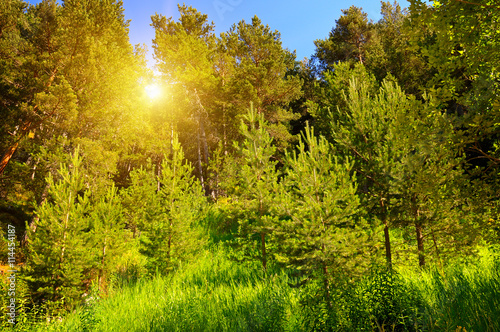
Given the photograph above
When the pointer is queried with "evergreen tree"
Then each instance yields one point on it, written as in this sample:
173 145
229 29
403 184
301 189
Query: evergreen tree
404 156
254 184
347 41
166 208
320 235
391 51
330 94
263 76
58 250
186 51
108 235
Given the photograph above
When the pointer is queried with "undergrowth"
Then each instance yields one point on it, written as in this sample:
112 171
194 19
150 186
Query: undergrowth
217 294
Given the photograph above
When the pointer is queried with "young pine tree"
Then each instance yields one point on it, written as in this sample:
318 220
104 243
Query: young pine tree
58 251
165 208
320 235
254 186
408 169
108 234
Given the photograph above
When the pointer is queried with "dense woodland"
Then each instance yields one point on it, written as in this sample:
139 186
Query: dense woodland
356 190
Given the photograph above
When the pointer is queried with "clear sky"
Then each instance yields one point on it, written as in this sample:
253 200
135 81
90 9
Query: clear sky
299 22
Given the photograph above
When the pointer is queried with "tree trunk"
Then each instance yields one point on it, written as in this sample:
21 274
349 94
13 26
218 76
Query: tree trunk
7 156
437 249
101 270
200 166
418 231
206 157
387 238
420 244
224 126
388 254
169 251
326 284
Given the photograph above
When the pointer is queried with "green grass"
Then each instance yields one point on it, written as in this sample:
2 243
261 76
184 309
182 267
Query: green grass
465 295
216 294
213 294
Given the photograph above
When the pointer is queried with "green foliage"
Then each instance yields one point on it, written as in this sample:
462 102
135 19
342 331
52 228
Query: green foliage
330 95
166 207
380 301
74 239
58 248
211 294
391 52
108 236
126 202
347 41
216 294
262 76
463 295
319 200
254 186
408 167
384 301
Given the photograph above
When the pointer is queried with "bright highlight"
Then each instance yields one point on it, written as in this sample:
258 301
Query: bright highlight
153 91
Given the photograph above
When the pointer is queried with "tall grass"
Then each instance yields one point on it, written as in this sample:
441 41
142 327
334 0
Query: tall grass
216 294
462 297
213 294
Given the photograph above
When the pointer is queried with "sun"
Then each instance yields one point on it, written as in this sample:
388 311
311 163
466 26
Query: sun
153 91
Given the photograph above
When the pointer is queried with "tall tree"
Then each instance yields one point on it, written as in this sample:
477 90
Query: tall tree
263 75
390 50
185 54
347 41
75 66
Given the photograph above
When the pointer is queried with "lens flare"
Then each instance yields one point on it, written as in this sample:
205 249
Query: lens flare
153 91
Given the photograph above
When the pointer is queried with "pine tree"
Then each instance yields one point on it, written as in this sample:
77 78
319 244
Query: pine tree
348 40
404 157
108 235
321 235
166 208
58 251
254 185
185 51
263 76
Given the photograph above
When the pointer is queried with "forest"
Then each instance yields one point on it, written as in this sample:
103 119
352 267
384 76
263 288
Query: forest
242 189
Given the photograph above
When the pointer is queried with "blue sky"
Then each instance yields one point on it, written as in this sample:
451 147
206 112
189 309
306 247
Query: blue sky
299 22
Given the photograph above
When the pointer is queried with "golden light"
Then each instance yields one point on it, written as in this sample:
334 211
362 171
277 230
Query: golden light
153 91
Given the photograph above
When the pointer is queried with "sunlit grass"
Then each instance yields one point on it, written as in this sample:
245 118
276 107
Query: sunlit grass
216 294
213 294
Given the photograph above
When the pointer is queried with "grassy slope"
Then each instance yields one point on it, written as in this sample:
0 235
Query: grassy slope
212 294
215 294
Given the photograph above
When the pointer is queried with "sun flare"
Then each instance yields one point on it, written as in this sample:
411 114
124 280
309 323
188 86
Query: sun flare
153 91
